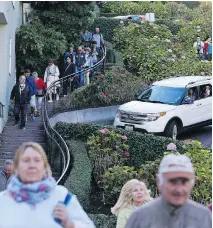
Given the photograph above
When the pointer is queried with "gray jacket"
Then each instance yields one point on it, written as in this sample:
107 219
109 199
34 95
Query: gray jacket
4 181
159 214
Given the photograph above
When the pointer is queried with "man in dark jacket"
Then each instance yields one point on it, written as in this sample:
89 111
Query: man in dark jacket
5 174
21 94
69 69
30 83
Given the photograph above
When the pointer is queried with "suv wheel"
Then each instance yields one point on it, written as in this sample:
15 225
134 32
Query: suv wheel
172 130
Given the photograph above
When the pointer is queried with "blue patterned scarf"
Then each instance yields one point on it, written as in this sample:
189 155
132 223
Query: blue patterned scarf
31 193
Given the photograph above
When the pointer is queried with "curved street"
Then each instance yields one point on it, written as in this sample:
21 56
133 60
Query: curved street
204 135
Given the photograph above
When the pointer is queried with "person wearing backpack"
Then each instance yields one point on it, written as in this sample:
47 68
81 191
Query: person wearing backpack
30 83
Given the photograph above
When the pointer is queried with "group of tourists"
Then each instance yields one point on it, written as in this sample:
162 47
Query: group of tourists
204 49
31 88
29 192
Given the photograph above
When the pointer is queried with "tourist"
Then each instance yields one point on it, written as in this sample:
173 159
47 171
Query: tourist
98 37
80 61
69 69
87 64
51 75
21 94
33 199
199 45
40 87
208 48
173 209
5 174
133 195
70 53
30 83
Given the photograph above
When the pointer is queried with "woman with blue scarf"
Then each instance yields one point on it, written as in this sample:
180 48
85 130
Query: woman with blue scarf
33 199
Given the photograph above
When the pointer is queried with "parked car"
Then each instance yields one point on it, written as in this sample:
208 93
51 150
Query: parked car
169 107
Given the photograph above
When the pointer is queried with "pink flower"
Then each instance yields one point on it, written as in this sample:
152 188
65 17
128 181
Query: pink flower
104 131
101 76
126 154
171 146
123 137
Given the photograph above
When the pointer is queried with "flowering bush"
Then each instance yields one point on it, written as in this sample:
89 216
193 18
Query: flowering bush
114 179
107 149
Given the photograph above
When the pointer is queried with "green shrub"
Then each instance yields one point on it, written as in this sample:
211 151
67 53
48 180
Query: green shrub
103 221
106 149
107 26
79 181
114 179
117 86
202 162
143 147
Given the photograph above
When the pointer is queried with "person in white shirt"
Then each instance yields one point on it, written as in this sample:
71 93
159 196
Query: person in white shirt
32 198
87 64
51 75
199 45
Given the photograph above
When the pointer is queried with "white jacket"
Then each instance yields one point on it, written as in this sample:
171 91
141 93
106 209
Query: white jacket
22 215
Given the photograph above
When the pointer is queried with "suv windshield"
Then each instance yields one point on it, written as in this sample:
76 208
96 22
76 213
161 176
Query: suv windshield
162 94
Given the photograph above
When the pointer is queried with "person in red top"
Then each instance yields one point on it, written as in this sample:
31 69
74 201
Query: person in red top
40 87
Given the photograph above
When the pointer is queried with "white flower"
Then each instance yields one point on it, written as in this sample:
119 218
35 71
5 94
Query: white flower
190 22
198 30
155 27
183 57
174 56
168 41
198 27
169 50
173 60
155 37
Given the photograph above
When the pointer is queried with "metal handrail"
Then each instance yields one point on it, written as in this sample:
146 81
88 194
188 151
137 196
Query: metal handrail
51 133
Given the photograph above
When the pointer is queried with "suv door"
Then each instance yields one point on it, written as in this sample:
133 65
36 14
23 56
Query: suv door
205 101
191 113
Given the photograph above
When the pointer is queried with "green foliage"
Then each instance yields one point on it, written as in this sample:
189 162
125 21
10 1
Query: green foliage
106 149
202 161
79 181
143 147
115 87
33 48
107 26
114 179
103 221
71 18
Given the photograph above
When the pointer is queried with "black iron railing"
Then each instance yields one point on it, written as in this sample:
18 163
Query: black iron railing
57 150
1 110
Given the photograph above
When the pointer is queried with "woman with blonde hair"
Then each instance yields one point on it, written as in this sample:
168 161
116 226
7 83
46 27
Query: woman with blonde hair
33 199
133 195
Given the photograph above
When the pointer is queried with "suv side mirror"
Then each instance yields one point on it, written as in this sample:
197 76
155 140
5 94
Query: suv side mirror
187 100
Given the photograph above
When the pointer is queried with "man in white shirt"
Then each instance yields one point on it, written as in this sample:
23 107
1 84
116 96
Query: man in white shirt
199 45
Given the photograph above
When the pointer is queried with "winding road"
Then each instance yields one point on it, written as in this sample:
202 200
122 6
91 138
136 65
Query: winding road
204 135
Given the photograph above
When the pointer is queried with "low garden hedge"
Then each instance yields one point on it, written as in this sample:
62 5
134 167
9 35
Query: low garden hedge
103 221
79 180
142 147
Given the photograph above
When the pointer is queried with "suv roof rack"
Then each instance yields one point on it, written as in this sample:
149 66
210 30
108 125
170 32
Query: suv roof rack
205 79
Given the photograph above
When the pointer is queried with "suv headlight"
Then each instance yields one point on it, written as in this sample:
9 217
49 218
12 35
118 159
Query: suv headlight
155 116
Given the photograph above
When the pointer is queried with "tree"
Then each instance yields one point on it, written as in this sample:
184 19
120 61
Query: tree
35 44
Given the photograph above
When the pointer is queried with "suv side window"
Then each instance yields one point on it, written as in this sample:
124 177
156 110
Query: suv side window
205 91
192 93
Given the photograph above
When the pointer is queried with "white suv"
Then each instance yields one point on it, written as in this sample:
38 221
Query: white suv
169 106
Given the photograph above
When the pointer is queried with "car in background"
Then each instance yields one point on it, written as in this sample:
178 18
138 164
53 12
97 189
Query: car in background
169 107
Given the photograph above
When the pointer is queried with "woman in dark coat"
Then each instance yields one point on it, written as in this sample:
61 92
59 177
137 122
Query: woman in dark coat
69 68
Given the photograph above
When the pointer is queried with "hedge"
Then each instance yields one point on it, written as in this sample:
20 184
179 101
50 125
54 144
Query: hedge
103 221
79 181
142 147
106 25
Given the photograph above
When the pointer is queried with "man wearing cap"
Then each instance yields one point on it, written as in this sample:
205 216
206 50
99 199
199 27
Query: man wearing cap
5 174
173 209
